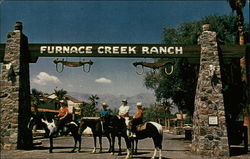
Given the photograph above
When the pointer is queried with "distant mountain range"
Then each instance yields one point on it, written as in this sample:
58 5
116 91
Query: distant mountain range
115 101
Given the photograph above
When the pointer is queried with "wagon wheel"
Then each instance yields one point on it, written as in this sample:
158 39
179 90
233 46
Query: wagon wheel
142 70
171 70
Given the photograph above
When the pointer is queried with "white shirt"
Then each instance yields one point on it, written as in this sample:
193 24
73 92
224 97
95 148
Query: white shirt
123 109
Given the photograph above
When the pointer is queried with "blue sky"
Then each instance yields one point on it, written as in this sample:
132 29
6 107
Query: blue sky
99 22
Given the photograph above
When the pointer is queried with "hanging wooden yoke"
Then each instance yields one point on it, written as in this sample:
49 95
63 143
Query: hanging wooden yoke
154 66
73 64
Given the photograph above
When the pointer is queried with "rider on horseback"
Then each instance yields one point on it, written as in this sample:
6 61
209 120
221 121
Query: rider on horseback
105 111
104 114
63 116
124 109
124 112
137 119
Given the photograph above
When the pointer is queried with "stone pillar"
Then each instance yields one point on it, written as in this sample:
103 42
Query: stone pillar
15 92
209 129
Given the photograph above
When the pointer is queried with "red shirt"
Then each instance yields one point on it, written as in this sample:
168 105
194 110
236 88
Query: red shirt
63 111
138 114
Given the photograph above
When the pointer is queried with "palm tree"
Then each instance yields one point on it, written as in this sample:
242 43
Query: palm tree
93 99
36 101
89 109
59 95
237 6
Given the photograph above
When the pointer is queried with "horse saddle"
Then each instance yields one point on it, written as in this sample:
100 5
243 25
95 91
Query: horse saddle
141 127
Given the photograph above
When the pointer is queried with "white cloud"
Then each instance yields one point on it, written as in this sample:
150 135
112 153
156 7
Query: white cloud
103 80
44 78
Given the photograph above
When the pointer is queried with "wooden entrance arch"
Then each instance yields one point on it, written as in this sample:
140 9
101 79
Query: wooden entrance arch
16 55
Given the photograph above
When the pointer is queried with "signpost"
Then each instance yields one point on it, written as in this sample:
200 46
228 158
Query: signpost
123 50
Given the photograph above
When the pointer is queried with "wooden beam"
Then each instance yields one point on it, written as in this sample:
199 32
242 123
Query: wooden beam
122 50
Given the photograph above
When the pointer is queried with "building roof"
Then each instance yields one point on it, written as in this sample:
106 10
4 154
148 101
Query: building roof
68 97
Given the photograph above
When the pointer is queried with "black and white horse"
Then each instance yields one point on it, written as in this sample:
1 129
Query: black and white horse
151 130
51 129
117 128
97 129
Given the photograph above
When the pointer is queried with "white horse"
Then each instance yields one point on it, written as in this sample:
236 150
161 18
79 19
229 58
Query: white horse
51 128
152 130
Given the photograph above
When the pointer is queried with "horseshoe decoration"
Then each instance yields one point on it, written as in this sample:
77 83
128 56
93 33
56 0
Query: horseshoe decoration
154 66
171 71
73 64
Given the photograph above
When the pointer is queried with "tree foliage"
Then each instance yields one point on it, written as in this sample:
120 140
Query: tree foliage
180 86
188 33
59 96
36 99
89 109
156 112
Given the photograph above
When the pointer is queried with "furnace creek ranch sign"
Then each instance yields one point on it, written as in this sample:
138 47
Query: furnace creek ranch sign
122 50
112 50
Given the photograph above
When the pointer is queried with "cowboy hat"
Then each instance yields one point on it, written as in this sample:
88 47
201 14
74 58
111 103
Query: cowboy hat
124 100
105 105
139 104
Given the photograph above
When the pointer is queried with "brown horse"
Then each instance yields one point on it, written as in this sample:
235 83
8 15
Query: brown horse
96 126
117 128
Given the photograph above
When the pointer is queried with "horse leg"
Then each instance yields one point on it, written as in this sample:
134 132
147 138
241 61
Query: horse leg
128 144
75 139
94 150
79 141
112 144
136 143
109 139
51 144
153 157
119 144
100 143
160 154
158 146
132 146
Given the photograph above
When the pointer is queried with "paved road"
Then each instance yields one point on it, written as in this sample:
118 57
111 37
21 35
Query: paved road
174 147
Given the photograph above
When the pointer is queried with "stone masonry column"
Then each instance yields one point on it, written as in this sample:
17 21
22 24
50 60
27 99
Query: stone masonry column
15 92
209 129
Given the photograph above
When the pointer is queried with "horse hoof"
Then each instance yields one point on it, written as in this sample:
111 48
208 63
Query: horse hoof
127 157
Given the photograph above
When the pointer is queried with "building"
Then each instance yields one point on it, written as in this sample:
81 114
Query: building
73 103
49 104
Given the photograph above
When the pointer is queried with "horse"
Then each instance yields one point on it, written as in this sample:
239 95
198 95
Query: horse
51 129
152 130
117 128
97 129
